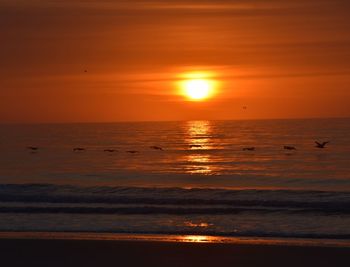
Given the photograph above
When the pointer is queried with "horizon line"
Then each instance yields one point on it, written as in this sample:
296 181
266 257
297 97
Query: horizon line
180 120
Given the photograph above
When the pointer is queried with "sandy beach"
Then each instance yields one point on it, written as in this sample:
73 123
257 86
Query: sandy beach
18 251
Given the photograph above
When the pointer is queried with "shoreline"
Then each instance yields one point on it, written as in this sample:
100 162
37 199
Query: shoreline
129 237
17 250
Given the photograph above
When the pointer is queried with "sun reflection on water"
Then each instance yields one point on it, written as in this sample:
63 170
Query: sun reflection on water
198 238
193 224
199 134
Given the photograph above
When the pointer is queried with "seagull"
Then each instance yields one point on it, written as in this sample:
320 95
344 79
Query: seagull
132 151
192 146
321 145
248 148
156 148
33 148
289 148
109 150
78 149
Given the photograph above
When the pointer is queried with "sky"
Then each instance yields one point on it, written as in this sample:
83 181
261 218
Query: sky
106 61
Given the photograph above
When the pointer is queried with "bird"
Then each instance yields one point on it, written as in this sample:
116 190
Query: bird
321 145
78 149
156 148
248 148
192 146
132 151
289 148
33 148
109 150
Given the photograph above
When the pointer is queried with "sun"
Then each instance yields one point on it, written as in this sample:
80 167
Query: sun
197 89
197 85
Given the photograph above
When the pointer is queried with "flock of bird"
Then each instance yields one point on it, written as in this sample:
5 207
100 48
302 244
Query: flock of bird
80 149
320 145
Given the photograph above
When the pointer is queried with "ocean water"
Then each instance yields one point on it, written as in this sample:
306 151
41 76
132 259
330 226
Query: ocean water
201 183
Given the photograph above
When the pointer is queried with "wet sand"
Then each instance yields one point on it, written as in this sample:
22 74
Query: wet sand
56 252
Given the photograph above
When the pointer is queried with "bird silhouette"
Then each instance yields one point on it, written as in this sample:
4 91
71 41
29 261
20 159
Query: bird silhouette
109 150
248 148
321 145
156 148
289 148
132 151
78 149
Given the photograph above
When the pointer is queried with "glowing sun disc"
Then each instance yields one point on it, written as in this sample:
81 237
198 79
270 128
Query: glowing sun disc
197 89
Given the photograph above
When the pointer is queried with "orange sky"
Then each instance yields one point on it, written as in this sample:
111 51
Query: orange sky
281 59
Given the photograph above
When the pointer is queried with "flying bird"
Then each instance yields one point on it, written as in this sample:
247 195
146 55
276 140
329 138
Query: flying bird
156 148
132 151
109 150
289 148
33 148
248 148
321 145
78 149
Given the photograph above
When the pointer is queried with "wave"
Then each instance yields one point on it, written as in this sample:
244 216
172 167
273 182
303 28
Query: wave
144 210
210 234
183 201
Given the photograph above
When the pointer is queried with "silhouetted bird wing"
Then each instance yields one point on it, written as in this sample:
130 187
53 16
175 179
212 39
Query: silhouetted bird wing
132 151
156 147
78 149
289 147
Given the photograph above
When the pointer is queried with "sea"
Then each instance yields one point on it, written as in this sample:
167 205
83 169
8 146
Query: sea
188 178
